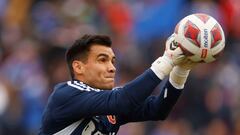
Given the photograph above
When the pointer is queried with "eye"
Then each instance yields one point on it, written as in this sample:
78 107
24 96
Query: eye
113 61
102 59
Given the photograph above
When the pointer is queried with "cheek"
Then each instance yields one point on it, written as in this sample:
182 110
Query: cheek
95 71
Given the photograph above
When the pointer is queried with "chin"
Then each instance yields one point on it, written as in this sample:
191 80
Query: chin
108 87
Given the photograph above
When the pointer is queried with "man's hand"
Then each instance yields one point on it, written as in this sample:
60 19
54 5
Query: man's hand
173 52
180 72
172 56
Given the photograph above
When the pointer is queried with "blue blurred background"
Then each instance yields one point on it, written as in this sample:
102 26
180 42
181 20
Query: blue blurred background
34 35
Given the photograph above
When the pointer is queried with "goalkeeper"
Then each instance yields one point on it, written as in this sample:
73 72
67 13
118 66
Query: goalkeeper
90 105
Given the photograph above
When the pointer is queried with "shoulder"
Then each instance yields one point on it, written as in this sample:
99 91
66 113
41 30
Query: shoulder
64 91
81 86
73 87
68 89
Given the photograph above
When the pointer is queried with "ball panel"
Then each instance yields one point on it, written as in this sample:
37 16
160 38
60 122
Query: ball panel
187 47
218 48
191 32
203 17
216 35
176 28
185 51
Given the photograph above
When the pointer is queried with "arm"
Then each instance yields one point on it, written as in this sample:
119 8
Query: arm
74 103
158 108
155 107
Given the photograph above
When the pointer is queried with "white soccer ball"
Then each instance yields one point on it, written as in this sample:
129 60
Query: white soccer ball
200 37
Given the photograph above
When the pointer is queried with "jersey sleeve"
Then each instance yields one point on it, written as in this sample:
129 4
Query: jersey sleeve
74 103
155 107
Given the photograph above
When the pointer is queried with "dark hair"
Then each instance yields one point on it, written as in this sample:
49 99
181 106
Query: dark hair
80 48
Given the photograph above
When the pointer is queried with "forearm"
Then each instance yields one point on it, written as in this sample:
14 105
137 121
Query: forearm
155 107
166 100
140 88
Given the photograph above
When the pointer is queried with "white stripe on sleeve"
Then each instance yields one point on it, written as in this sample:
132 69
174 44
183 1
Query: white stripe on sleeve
69 129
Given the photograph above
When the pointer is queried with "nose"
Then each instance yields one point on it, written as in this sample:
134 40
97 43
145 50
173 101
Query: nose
111 68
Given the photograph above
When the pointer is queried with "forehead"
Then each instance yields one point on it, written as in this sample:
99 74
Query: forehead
100 49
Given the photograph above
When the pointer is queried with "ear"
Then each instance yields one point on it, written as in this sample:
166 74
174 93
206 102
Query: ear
78 67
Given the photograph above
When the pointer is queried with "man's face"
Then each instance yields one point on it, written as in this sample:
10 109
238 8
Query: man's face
99 69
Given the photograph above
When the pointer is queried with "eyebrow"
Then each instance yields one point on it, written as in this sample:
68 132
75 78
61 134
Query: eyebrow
105 55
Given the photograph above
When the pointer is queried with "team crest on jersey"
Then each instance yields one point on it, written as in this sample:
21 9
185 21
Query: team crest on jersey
112 119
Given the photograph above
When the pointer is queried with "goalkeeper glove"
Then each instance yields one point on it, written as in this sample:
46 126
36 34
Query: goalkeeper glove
172 56
179 74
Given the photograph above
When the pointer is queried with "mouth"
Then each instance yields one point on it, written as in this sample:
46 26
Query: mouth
110 78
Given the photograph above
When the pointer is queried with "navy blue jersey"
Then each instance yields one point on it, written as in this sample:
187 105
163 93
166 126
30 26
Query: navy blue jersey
75 108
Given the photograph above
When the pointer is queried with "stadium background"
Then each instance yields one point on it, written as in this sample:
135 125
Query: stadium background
35 33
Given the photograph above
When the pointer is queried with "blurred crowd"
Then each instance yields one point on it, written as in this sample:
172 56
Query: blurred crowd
34 35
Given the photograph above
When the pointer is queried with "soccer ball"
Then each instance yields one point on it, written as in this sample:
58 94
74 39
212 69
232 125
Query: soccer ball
200 37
